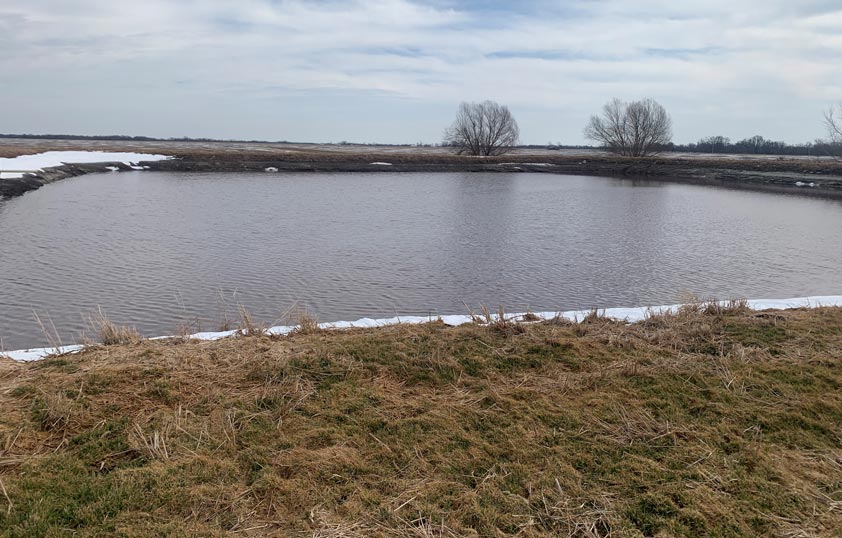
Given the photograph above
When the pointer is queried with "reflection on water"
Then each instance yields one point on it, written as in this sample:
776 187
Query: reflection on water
158 250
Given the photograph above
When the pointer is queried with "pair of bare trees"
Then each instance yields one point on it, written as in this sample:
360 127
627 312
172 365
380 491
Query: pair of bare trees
637 129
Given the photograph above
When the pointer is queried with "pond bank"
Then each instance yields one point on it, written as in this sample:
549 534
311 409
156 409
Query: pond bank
720 422
814 177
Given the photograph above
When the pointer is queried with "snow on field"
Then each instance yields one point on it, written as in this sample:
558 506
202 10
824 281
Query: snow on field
39 161
381 164
629 315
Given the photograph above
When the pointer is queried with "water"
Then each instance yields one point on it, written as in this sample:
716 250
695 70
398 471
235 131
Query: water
159 250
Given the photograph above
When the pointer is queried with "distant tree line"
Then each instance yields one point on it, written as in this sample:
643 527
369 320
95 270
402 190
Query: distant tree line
756 145
634 129
125 138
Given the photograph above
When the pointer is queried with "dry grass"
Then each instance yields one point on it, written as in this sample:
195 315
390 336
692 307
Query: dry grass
499 322
247 325
110 334
49 331
711 421
152 444
307 324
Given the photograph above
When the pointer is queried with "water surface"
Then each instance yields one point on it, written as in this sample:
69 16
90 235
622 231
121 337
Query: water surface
159 250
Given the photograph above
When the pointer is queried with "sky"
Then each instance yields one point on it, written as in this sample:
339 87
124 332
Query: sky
395 71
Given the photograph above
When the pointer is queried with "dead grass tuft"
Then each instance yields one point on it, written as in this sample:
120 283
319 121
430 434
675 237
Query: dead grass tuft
53 411
307 324
500 323
247 325
50 332
530 317
110 334
153 444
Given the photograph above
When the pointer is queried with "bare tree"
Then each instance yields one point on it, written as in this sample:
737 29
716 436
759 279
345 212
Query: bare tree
483 129
636 129
833 122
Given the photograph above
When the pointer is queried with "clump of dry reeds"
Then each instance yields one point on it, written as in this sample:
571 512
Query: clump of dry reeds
498 322
713 307
153 444
109 333
307 324
595 316
50 332
53 410
247 325
530 317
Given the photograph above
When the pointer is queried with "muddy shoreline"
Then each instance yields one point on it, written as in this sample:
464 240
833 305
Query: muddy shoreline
801 176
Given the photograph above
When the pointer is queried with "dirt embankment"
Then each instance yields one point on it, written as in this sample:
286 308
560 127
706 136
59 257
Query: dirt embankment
808 176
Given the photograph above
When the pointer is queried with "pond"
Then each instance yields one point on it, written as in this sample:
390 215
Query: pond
162 251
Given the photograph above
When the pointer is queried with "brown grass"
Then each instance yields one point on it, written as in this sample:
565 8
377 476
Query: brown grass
247 325
110 334
307 324
705 422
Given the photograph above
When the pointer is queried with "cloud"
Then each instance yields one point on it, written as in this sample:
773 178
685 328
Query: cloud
745 62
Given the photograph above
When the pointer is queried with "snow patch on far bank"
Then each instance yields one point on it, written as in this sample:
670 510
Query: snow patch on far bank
381 164
629 315
39 161
528 164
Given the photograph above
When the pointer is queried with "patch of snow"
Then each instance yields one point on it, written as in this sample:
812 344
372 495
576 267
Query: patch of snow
381 164
49 159
113 168
628 315
271 169
527 164
36 354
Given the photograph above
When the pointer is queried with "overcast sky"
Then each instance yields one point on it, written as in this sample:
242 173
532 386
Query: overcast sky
396 70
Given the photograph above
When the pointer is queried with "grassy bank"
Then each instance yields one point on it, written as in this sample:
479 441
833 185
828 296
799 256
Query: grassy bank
711 422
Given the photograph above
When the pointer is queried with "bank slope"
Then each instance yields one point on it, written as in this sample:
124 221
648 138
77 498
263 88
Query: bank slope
718 421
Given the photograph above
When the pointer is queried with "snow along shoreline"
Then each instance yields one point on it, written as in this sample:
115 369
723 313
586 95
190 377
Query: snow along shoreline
629 315
32 164
19 175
